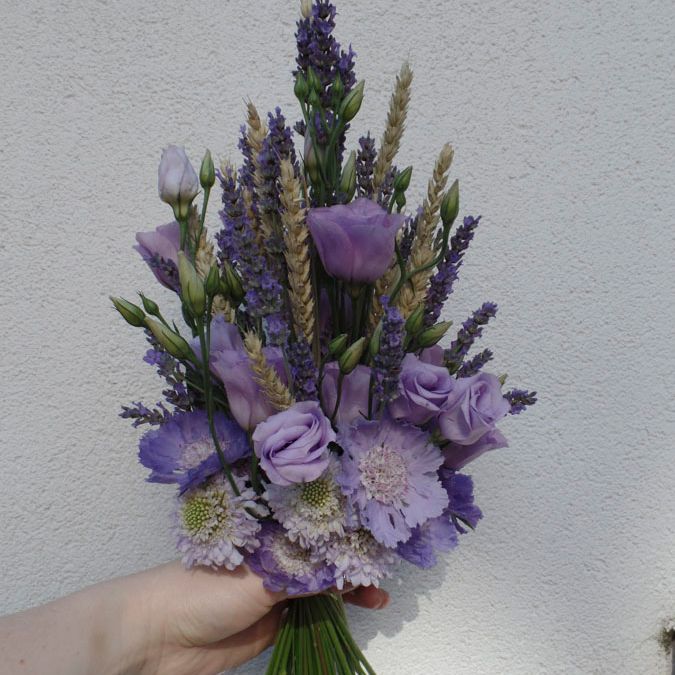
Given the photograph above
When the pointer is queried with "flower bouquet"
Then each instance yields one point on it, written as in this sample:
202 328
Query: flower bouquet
312 423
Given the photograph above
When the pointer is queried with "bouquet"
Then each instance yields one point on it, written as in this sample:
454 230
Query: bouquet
313 425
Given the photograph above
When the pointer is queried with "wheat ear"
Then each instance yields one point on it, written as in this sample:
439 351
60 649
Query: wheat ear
274 389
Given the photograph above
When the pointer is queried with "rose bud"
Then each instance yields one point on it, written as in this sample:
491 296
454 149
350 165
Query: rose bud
177 181
355 241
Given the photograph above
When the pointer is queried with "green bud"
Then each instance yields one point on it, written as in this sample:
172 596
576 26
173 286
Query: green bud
415 321
301 88
172 342
311 159
352 102
131 313
338 89
351 357
236 290
181 211
430 336
502 379
399 200
192 287
337 345
450 204
150 306
348 178
224 287
313 81
402 180
374 345
212 283
314 100
207 172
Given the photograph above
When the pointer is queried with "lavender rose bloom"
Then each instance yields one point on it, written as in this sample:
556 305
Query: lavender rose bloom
355 241
457 456
424 390
229 362
178 182
354 398
293 445
159 249
473 408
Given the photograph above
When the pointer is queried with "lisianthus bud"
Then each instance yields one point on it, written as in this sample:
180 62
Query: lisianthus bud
314 99
400 200
450 204
502 379
301 88
431 336
352 102
306 8
415 321
172 342
374 346
351 357
150 306
310 159
177 181
236 290
402 180
212 283
131 313
338 89
337 345
313 80
207 172
192 287
348 178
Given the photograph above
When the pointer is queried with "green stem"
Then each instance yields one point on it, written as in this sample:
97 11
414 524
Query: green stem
338 396
207 192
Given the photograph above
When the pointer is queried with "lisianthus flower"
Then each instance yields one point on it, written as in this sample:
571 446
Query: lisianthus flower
441 533
355 241
359 559
159 249
457 456
354 399
310 512
182 450
213 526
293 444
285 566
177 181
473 408
389 472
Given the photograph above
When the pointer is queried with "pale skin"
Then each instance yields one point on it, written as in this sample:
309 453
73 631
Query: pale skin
166 620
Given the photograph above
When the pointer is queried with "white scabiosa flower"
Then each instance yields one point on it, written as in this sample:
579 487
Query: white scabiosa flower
213 526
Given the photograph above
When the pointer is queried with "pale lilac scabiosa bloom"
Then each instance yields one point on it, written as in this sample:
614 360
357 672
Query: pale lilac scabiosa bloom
159 249
286 566
355 241
214 527
311 512
293 444
359 559
182 450
441 534
389 473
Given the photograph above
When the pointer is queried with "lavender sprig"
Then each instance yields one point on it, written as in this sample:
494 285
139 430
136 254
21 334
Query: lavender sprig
440 285
141 414
387 361
475 364
471 329
304 373
520 399
365 166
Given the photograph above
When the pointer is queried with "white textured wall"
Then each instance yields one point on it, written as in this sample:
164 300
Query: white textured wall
563 119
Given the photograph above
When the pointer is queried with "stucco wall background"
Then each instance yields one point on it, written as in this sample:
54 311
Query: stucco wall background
563 120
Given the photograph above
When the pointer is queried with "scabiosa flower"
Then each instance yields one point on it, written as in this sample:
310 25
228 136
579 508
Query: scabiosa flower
310 512
286 566
389 472
182 450
214 526
359 559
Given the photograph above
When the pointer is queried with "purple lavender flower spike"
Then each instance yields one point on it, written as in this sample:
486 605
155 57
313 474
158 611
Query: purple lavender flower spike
388 360
520 399
389 472
475 364
182 451
365 166
471 329
409 232
303 370
159 249
440 286
215 528
286 566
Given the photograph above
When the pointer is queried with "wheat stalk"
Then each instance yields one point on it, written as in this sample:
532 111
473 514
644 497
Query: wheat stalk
275 390
393 131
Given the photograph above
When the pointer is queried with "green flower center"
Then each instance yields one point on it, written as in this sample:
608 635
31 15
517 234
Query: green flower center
317 493
204 513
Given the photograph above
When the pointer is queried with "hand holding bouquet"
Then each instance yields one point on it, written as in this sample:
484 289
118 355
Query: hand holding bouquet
312 423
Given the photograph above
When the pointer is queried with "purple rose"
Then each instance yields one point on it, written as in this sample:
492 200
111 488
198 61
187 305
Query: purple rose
473 407
457 456
293 445
159 249
354 399
229 362
423 391
355 241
